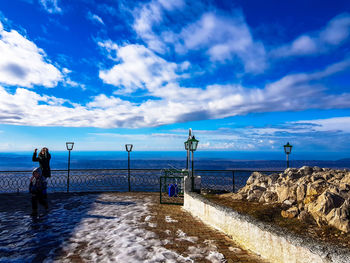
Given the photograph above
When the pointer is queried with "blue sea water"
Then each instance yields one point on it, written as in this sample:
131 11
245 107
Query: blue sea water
164 159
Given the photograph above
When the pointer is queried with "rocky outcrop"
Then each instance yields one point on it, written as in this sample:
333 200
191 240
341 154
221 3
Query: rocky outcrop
308 193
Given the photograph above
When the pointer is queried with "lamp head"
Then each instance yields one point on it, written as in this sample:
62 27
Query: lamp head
193 143
287 148
186 145
128 147
69 145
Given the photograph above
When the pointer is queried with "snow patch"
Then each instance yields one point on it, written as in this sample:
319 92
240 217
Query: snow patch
168 219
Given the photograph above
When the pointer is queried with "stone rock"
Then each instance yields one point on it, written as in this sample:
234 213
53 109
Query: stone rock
282 193
254 178
301 206
270 197
323 205
294 170
254 195
346 179
317 177
317 169
340 217
272 178
317 193
316 188
288 202
244 189
292 176
309 199
301 192
306 170
290 213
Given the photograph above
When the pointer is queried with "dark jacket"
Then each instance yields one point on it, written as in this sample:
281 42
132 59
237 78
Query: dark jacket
44 162
38 184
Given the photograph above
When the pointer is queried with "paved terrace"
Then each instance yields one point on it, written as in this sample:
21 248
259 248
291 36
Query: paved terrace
110 227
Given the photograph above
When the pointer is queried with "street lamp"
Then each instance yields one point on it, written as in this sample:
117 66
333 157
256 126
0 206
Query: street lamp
191 145
69 146
128 148
287 150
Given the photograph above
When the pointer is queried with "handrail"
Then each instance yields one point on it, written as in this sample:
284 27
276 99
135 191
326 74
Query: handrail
141 179
146 169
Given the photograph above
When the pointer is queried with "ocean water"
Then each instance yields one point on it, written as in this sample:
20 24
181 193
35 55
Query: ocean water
218 160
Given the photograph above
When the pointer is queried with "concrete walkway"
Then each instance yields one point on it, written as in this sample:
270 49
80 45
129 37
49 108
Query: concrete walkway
110 227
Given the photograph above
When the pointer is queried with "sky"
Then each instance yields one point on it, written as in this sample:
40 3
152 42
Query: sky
245 75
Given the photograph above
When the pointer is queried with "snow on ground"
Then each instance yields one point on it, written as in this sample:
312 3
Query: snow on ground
93 228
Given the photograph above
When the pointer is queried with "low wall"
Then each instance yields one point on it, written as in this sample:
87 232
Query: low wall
270 242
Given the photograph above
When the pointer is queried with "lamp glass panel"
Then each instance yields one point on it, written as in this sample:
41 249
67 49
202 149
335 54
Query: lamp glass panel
69 145
194 144
186 145
287 148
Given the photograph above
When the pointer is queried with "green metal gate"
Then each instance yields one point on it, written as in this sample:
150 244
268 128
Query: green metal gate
172 187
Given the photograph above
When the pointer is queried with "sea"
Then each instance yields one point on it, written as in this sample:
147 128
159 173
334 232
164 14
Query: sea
206 160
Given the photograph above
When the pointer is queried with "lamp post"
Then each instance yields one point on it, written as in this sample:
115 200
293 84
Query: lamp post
287 150
128 148
69 146
187 148
191 145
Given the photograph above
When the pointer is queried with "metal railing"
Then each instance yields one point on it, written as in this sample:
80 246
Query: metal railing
227 180
96 180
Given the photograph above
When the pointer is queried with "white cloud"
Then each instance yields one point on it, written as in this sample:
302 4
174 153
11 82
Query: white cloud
226 38
22 63
139 68
171 5
145 18
335 33
222 38
95 18
51 6
341 124
337 30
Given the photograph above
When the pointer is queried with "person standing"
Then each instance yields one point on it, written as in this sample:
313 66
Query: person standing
43 158
37 188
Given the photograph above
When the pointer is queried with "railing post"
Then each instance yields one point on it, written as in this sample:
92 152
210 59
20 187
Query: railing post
233 181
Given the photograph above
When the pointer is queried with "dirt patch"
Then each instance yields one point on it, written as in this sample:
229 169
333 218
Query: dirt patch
271 213
185 234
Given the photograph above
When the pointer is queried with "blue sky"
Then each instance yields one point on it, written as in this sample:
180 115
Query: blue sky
244 75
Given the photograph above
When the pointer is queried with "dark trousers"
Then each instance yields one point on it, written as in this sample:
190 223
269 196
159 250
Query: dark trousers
41 199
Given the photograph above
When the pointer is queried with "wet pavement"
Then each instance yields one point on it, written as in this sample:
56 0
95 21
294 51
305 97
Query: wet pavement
110 227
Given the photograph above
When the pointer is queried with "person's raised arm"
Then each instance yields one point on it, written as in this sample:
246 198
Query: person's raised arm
35 158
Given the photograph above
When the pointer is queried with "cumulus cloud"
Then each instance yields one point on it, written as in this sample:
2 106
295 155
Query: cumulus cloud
150 16
95 18
22 63
145 18
139 68
51 6
173 103
225 38
335 33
